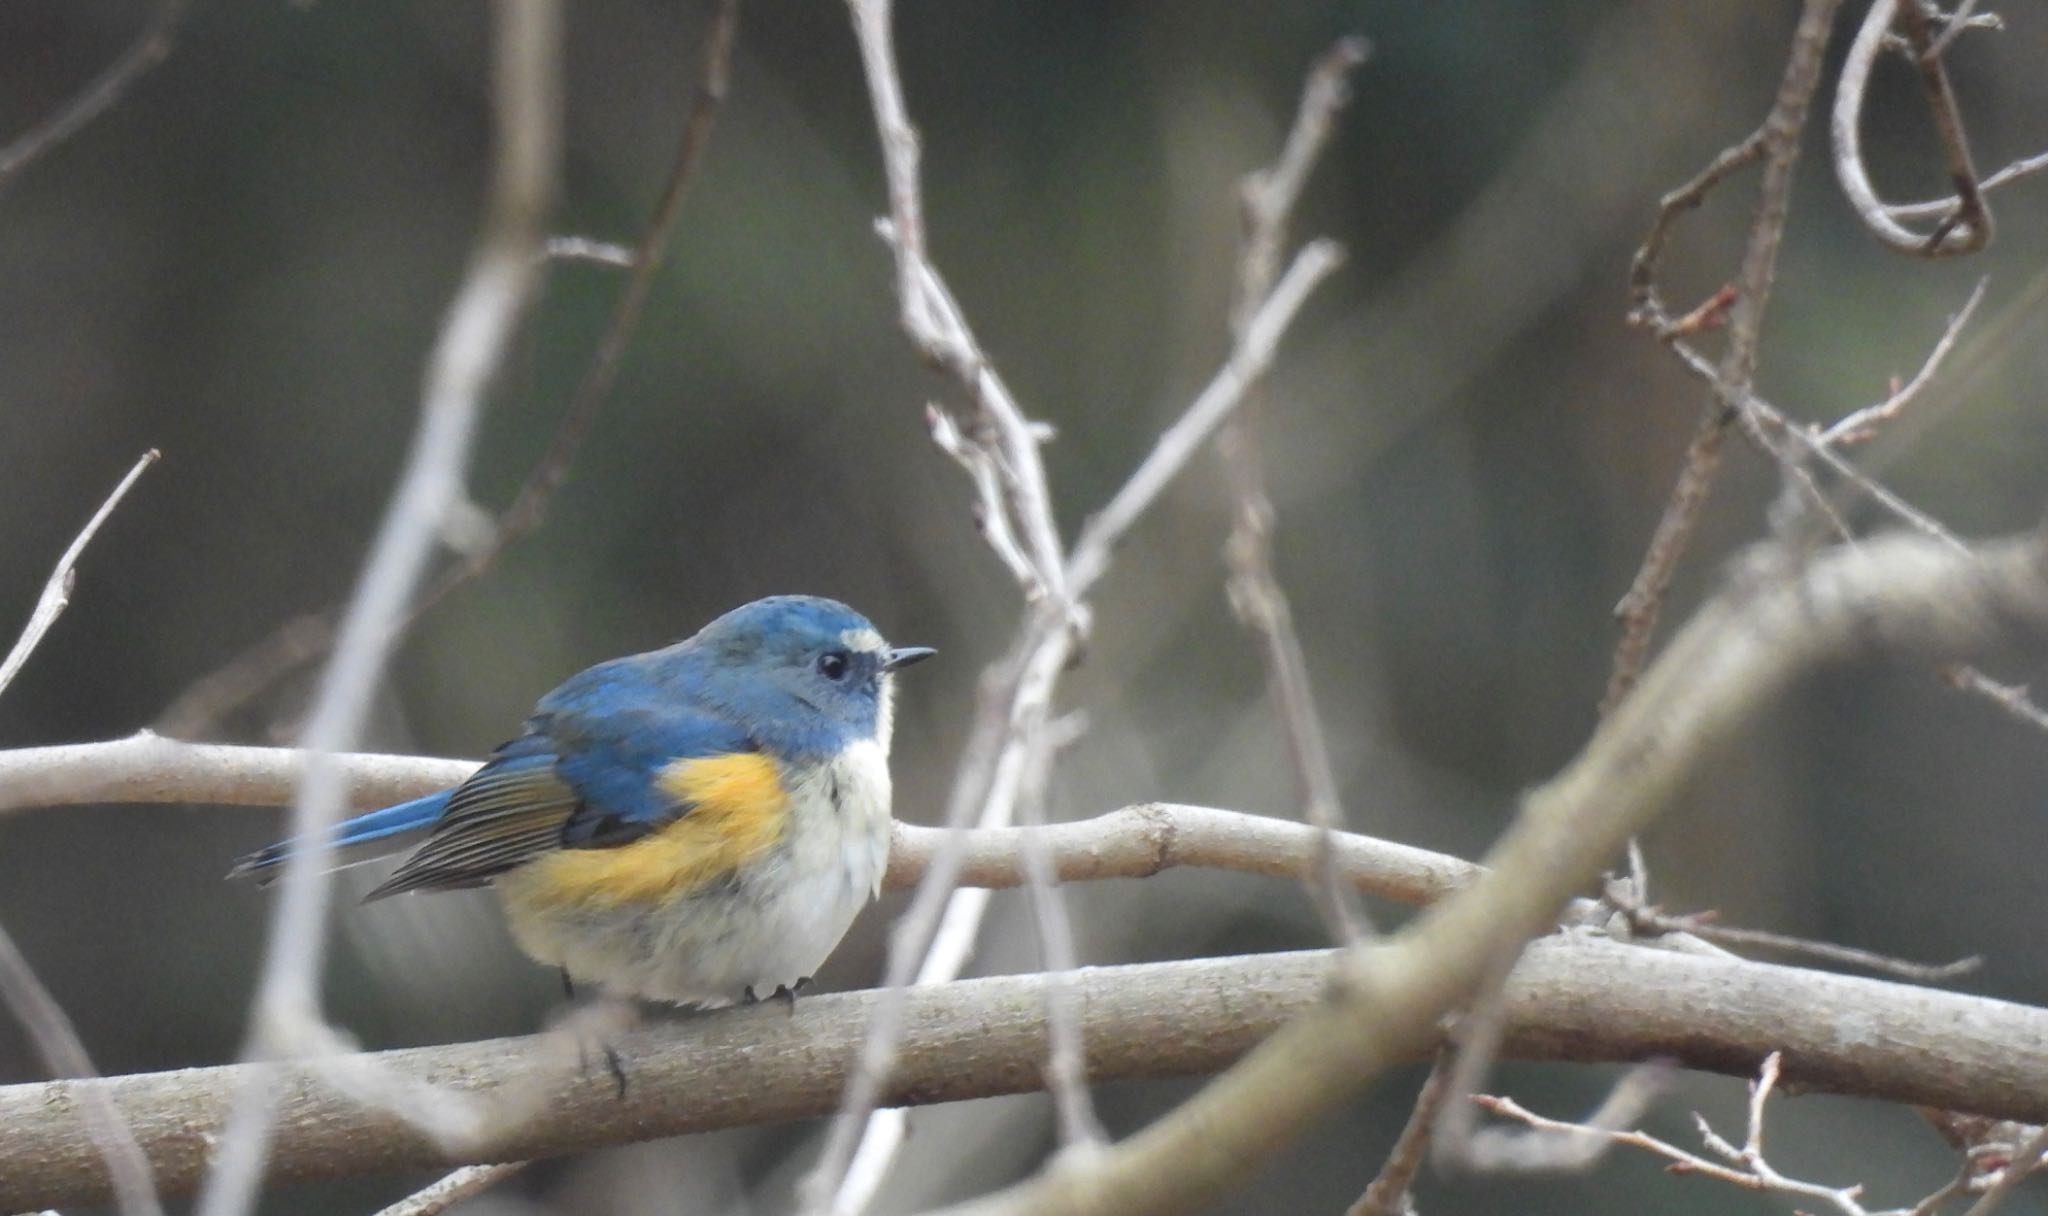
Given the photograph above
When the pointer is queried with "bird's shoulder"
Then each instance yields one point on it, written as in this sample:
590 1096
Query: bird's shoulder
623 737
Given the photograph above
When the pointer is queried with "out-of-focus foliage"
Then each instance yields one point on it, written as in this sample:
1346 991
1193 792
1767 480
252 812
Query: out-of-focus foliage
245 263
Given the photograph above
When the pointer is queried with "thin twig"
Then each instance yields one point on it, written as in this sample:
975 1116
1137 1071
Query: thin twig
2024 167
529 505
1066 1069
56 593
1646 303
2012 698
465 1183
149 49
305 638
1848 956
1769 421
286 1019
591 250
1542 1150
1745 1166
1860 424
1179 442
931 317
1778 147
1962 17
2025 1160
1966 226
1387 1194
1022 685
1256 595
1646 920
1972 213
999 445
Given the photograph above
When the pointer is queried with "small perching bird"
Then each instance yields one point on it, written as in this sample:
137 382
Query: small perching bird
698 824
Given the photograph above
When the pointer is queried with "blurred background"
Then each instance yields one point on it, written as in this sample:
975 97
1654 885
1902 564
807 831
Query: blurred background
245 263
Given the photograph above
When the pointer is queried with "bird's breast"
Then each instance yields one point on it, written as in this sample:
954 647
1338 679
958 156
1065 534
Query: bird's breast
839 819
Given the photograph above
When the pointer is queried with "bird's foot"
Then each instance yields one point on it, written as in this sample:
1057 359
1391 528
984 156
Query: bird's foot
786 993
593 1028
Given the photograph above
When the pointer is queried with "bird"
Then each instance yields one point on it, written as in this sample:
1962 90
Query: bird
697 825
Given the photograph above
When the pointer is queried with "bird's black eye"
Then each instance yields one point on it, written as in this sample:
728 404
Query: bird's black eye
832 664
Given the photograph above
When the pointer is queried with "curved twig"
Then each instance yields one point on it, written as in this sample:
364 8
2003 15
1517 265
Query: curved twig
1966 225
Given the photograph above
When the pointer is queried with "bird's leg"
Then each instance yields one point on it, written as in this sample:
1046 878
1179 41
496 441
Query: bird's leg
616 1067
568 985
592 1026
747 996
786 993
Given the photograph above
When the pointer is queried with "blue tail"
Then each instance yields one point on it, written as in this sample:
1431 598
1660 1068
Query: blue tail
355 840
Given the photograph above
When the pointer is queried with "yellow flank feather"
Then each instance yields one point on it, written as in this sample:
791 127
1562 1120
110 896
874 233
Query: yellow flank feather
738 813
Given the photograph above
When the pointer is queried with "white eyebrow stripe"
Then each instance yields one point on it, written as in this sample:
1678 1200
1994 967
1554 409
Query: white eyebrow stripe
865 641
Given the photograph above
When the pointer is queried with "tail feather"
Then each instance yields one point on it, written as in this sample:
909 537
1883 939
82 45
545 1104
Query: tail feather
356 840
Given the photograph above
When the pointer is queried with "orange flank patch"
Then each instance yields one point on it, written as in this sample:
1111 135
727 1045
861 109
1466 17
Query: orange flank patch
738 810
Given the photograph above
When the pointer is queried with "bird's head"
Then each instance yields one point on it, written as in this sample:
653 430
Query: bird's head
802 670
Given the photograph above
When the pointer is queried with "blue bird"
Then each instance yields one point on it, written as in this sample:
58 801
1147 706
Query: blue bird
697 824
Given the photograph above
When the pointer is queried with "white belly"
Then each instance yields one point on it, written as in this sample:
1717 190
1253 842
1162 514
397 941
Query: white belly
771 926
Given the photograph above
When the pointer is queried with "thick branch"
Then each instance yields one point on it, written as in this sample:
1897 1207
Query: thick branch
1903 595
1581 999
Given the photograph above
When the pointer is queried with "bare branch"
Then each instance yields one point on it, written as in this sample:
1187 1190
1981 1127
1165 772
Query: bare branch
1770 424
1269 195
2024 167
1179 443
63 1052
465 1183
1777 145
1966 226
2012 698
1899 593
1387 1194
56 594
999 446
148 50
1256 595
1066 1073
527 111
1744 1167
2025 1160
591 250
1701 925
1576 998
1860 424
934 321
529 506
1552 1147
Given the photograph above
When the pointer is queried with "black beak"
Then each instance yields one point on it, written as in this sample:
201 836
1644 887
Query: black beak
904 656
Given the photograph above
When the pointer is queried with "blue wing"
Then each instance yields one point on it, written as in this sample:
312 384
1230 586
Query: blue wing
583 776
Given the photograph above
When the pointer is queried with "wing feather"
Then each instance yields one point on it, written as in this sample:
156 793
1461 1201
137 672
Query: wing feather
511 811
580 778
